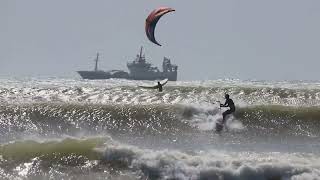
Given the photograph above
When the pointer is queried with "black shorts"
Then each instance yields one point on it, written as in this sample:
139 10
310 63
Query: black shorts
229 111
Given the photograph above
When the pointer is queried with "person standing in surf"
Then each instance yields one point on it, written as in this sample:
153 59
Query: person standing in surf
229 103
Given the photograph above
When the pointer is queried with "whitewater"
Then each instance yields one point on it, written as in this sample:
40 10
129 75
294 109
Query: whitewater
58 128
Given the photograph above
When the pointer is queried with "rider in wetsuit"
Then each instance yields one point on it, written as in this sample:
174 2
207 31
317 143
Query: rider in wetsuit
229 103
159 86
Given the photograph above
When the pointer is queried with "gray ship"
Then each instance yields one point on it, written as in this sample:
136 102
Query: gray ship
139 69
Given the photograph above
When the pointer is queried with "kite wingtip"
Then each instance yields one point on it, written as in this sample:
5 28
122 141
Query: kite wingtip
157 43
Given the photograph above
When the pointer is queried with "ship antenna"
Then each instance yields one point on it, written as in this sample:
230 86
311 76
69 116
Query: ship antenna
96 60
141 51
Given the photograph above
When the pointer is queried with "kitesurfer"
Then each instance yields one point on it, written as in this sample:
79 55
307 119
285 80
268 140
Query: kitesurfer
159 86
229 103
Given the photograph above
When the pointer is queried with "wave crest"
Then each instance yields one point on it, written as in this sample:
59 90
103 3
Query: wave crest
77 157
151 119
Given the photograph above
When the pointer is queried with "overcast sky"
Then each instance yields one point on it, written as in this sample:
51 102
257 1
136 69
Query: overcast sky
207 39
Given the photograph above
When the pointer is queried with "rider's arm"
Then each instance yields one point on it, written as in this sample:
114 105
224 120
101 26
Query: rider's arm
164 83
225 104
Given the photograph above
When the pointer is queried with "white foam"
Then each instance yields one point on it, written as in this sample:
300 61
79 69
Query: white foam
208 115
173 164
234 124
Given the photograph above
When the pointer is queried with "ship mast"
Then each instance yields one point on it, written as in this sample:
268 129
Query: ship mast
140 58
96 60
140 52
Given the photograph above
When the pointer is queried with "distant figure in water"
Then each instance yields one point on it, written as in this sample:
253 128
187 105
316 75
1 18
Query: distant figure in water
229 103
159 86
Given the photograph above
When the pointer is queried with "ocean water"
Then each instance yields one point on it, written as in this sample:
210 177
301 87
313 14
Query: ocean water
53 128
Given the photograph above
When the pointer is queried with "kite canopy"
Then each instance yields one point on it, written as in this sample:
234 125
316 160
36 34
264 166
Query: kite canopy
152 21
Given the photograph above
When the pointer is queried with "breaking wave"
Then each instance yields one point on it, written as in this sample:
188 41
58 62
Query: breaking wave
102 157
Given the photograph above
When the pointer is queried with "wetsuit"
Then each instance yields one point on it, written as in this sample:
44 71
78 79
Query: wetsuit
228 103
159 87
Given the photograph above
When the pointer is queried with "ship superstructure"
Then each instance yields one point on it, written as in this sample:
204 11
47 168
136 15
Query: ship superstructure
140 69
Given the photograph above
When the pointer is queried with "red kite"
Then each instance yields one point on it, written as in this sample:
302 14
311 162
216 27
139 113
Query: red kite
152 21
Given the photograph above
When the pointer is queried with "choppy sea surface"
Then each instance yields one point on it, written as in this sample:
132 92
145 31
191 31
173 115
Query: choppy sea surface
53 128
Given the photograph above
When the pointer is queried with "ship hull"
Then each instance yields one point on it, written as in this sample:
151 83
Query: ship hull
171 76
94 74
102 75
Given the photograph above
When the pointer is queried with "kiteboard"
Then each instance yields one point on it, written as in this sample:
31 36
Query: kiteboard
163 82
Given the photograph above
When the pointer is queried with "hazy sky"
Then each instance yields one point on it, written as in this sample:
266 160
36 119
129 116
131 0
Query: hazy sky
207 39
